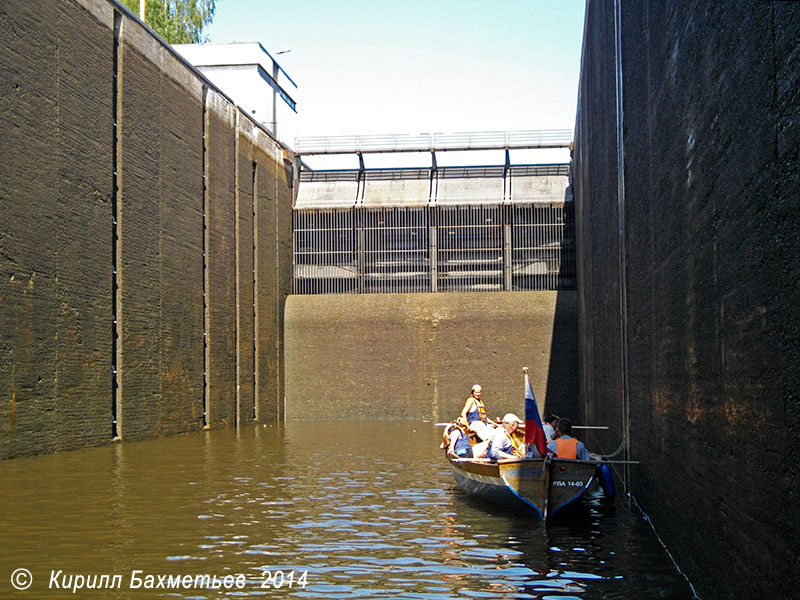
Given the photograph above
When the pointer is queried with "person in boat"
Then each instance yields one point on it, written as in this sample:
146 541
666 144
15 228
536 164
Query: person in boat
566 446
474 415
456 440
501 445
549 426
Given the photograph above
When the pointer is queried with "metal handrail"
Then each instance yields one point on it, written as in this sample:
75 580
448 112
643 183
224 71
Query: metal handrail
432 142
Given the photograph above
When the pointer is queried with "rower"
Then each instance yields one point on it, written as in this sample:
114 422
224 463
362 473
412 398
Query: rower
456 440
501 445
566 446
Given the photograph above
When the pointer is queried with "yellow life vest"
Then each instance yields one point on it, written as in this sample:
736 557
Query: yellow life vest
518 441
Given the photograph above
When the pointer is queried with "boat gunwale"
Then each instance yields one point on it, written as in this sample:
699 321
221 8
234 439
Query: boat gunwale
477 465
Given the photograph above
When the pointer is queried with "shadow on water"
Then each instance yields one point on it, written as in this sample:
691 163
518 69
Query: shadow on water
365 510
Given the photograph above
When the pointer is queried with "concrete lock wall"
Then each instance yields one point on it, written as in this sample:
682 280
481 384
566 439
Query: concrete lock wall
709 247
412 356
135 200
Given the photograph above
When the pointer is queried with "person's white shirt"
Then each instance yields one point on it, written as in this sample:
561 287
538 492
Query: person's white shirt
500 445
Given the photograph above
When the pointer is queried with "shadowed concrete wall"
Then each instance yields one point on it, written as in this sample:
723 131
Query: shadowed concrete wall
394 356
55 232
710 222
126 200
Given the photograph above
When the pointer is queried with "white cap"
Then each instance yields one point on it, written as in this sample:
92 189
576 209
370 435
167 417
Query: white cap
512 418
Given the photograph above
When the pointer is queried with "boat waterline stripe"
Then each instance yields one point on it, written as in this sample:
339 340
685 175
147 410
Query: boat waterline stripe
513 491
575 497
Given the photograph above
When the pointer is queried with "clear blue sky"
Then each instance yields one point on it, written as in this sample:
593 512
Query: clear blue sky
418 66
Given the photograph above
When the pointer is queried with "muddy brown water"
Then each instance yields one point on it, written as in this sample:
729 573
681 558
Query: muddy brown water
303 510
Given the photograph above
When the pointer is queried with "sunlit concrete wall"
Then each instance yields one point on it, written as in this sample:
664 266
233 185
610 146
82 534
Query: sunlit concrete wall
172 226
711 103
416 356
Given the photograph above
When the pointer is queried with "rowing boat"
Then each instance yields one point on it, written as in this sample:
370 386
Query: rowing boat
536 485
540 485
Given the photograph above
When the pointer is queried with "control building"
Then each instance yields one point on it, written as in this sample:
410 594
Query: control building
253 79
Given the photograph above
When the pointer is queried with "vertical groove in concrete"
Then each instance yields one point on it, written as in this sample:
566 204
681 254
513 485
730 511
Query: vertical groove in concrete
115 239
238 268
205 257
254 249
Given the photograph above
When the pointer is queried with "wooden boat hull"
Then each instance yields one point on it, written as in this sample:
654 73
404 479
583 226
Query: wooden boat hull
534 485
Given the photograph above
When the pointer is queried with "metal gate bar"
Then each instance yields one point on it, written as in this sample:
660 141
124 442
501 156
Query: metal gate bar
463 248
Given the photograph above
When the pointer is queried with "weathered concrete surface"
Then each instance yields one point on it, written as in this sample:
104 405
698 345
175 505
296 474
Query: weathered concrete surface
181 249
712 178
269 295
177 261
537 188
329 193
139 276
391 192
160 264
392 356
221 260
55 215
263 272
245 278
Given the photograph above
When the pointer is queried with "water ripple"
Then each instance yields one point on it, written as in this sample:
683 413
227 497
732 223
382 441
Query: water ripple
360 517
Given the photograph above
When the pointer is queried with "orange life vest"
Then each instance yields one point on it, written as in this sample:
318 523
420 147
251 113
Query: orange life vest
567 448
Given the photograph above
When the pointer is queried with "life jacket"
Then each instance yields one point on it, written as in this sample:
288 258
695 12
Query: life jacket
518 441
567 448
462 445
478 413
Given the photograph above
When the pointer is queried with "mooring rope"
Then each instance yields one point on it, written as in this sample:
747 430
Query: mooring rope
618 450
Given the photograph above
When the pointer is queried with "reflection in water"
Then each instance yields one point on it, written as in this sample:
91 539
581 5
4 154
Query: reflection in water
367 510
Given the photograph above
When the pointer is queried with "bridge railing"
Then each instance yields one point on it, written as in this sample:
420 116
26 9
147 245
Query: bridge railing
432 142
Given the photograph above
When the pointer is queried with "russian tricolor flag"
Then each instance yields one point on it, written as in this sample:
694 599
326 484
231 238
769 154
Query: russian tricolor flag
534 433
